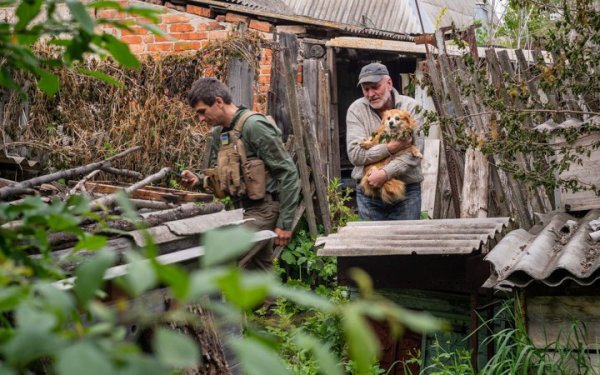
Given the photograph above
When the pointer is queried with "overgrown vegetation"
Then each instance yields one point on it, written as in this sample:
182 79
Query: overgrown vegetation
88 119
566 88
515 352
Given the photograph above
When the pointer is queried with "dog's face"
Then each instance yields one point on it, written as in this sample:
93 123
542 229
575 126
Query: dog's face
399 124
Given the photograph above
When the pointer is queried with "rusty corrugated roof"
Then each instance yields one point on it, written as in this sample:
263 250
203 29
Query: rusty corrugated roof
561 251
424 237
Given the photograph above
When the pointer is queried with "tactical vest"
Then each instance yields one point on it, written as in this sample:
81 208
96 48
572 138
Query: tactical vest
238 176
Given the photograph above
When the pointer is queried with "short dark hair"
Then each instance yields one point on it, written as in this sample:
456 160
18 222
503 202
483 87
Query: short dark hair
207 89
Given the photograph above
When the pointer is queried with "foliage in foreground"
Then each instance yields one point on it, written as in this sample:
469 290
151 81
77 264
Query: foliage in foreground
71 328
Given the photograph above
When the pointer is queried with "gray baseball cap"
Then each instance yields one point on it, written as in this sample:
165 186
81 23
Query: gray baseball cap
373 72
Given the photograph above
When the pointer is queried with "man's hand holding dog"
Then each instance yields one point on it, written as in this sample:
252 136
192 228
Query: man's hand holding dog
377 178
396 145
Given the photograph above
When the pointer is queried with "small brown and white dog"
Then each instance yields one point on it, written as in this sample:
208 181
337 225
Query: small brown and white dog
395 124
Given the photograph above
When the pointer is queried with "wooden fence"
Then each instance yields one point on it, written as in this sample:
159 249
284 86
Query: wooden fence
478 187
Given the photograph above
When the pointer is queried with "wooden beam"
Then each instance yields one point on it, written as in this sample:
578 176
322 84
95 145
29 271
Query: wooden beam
292 103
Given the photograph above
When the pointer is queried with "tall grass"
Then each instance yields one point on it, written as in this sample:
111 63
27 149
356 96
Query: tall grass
515 353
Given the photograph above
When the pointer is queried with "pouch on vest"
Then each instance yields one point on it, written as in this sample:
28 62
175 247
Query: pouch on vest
255 175
212 184
228 169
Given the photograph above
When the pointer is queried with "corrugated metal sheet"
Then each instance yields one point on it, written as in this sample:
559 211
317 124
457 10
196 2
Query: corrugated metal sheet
425 237
561 251
374 17
550 125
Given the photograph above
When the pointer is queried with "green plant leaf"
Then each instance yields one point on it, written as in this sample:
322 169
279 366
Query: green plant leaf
326 359
26 12
48 82
90 242
27 315
90 275
302 297
175 349
143 365
245 290
28 344
174 277
257 359
362 343
83 358
120 51
80 13
58 301
140 274
11 296
222 245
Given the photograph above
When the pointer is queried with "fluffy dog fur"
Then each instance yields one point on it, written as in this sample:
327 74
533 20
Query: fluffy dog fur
395 124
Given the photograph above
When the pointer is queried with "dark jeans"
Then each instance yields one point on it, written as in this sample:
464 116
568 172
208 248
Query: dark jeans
373 209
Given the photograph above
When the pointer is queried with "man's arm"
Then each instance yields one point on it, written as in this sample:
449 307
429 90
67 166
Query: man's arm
356 132
267 143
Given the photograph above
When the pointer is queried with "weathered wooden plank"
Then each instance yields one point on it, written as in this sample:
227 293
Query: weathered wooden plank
323 130
552 319
151 193
319 180
475 186
292 103
240 79
333 110
310 78
526 75
536 197
430 167
276 97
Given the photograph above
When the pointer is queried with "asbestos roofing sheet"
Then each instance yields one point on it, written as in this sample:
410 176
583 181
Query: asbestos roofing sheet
561 251
425 237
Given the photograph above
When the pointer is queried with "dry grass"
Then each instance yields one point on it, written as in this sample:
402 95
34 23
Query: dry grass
89 120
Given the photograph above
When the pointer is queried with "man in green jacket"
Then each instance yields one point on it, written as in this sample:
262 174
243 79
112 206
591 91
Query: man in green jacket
212 101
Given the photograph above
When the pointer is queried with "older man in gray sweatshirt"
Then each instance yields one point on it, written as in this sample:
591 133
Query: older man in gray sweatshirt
363 118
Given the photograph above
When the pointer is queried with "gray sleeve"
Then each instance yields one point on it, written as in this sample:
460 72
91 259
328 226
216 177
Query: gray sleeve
356 132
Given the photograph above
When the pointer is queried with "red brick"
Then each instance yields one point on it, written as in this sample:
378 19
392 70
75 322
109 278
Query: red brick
155 2
208 26
132 39
264 70
180 8
161 47
204 43
220 18
200 11
137 48
191 36
107 13
181 28
218 34
175 18
186 46
264 79
263 88
267 52
135 30
158 38
261 26
235 18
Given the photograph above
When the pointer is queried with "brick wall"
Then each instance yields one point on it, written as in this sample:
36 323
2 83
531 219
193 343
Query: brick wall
189 29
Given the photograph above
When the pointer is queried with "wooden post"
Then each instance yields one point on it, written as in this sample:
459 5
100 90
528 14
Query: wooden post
475 186
292 102
312 143
335 128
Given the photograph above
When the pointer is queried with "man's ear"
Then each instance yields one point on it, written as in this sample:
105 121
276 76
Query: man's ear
219 101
